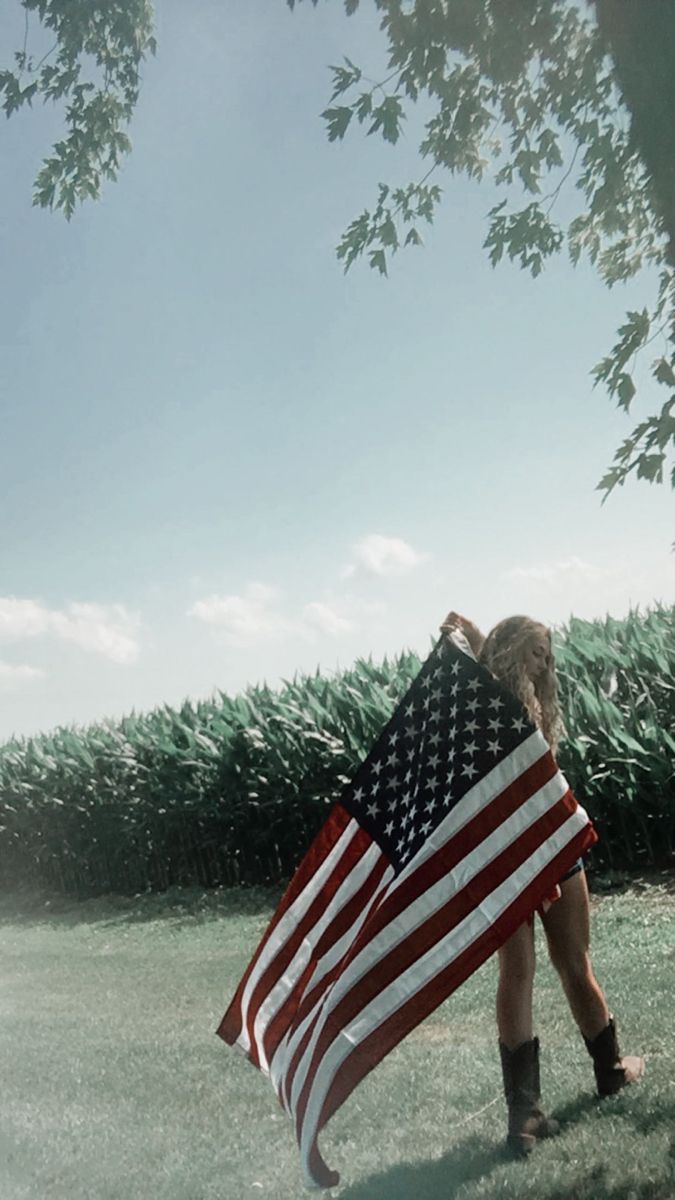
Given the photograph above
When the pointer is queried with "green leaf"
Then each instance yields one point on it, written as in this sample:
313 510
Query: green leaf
337 120
378 259
625 390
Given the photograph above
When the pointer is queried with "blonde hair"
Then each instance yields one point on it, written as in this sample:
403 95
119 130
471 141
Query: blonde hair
503 654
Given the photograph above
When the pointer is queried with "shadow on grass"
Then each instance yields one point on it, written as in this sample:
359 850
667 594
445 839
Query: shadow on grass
474 1159
180 905
477 1157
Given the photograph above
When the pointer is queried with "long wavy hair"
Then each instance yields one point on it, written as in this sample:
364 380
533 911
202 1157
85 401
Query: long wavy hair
503 653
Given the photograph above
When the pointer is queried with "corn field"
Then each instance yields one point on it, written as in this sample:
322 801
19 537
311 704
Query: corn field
232 790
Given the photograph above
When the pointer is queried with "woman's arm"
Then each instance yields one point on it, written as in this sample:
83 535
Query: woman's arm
471 632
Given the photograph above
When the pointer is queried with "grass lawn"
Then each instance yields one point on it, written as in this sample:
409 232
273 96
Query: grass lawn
115 1086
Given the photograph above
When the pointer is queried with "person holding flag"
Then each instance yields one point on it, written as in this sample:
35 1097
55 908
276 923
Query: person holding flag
457 826
518 651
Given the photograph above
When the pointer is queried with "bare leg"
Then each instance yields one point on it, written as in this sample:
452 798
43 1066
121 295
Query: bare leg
514 991
567 927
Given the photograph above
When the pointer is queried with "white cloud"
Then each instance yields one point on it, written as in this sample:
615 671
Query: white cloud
326 619
245 619
10 674
379 555
555 590
108 630
560 573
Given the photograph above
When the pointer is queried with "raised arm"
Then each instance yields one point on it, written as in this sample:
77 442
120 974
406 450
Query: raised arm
471 632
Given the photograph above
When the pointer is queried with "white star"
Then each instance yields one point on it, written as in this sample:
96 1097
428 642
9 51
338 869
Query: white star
454 689
470 770
392 804
410 754
408 776
389 829
372 810
455 667
410 731
375 787
471 727
411 833
473 684
426 683
376 767
434 739
358 795
450 777
433 784
400 844
519 724
470 748
494 747
413 810
434 761
393 759
410 710
393 737
496 703
430 805
453 712
495 724
426 827
472 705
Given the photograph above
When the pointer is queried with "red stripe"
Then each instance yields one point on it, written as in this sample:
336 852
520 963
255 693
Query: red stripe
402 955
358 846
338 819
309 1002
373 1049
338 926
449 855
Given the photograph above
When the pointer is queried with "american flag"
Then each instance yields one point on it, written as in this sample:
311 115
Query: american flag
449 836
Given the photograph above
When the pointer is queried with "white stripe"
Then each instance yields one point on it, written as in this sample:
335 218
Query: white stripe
437 958
285 984
426 904
281 1059
288 923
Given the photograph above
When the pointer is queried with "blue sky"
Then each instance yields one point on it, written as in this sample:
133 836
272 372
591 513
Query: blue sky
223 461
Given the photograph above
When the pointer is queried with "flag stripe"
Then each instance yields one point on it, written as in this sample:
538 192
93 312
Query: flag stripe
323 924
288 964
415 901
326 970
380 1041
324 852
424 981
398 954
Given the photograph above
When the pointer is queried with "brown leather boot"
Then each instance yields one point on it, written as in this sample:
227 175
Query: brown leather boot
527 1123
612 1072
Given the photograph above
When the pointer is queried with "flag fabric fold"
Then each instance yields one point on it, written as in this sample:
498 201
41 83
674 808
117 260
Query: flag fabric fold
451 833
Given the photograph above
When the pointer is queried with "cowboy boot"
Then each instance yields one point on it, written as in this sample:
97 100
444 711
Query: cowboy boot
612 1072
527 1123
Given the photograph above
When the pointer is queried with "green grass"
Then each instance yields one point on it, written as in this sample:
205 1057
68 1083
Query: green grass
115 1086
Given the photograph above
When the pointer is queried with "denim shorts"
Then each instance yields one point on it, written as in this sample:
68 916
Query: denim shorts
578 866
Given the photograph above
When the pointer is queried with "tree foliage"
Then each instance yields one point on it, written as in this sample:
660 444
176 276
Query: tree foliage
93 71
527 93
538 95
